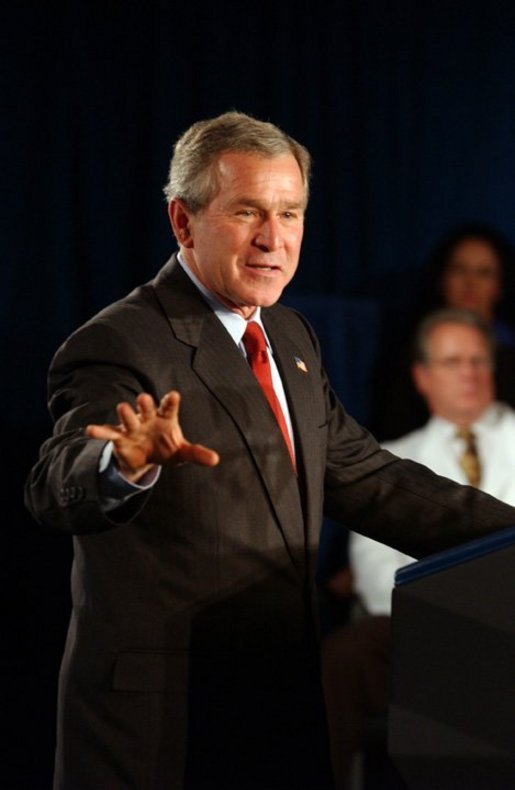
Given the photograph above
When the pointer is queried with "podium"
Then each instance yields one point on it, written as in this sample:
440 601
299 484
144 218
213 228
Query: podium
452 712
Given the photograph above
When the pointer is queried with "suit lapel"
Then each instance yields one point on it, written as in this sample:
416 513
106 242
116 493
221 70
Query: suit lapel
298 384
220 365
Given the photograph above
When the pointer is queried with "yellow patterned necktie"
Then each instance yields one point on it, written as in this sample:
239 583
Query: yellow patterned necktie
469 461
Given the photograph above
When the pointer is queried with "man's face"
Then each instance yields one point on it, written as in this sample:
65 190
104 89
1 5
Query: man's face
245 245
457 379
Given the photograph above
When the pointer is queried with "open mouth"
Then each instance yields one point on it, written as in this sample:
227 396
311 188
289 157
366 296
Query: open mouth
262 267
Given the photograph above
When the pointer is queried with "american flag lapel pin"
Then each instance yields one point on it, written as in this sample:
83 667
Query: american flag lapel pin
301 364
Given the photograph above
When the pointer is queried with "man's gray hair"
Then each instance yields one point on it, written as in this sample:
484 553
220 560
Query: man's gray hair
449 315
193 169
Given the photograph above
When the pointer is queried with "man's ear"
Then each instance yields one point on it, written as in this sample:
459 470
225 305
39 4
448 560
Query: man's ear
180 218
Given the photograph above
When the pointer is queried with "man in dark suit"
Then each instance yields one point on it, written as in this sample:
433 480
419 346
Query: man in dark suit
191 658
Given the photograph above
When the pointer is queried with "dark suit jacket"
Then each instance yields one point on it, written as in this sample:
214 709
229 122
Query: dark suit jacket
190 654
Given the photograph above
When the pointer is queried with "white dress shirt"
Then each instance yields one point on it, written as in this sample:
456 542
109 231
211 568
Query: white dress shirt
436 446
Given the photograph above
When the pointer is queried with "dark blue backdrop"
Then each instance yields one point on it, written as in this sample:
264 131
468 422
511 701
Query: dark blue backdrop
408 109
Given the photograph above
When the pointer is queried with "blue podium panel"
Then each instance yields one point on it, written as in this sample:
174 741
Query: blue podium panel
452 712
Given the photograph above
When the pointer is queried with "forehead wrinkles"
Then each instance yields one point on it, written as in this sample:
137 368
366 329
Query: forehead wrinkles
249 178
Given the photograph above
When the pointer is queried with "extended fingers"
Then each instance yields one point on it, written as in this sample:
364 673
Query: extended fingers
128 417
146 406
169 405
152 435
146 410
108 433
131 419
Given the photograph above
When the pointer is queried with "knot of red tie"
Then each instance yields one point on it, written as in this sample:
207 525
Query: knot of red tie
254 342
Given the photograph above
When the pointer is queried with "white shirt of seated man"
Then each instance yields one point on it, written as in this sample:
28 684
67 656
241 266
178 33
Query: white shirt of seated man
456 379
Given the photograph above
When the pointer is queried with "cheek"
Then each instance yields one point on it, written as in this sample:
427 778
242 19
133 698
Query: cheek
486 383
293 255
491 289
296 240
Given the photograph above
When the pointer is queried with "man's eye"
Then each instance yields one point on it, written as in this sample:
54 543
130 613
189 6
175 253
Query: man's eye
246 212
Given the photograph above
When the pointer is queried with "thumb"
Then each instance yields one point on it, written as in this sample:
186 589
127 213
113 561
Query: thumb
198 454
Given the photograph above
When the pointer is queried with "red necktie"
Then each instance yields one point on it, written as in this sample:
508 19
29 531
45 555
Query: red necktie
255 346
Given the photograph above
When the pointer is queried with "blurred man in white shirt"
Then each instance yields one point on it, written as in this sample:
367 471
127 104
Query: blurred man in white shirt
453 371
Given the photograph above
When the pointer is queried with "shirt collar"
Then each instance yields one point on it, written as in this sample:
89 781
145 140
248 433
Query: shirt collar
489 418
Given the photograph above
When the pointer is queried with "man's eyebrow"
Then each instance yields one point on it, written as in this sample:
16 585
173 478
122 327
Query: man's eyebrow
255 203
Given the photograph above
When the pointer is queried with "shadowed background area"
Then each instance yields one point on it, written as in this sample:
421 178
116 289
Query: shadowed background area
409 112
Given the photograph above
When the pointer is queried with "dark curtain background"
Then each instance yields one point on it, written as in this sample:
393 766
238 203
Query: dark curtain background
409 111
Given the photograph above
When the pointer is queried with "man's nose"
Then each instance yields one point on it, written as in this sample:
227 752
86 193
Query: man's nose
472 278
268 236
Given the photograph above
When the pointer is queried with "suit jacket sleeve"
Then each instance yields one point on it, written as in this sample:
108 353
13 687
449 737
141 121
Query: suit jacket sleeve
88 376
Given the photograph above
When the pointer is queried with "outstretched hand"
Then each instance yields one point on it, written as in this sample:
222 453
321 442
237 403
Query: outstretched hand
151 435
